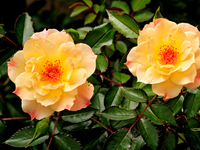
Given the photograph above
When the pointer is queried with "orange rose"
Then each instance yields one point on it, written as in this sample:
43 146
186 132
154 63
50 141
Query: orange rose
50 74
167 56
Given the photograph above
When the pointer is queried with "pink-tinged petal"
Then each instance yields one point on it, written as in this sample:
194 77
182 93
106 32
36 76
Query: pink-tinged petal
85 93
43 34
154 77
154 23
36 110
168 89
188 27
141 54
59 38
197 59
196 82
49 99
40 47
16 65
185 77
145 35
141 74
88 58
189 60
24 92
66 101
184 50
77 78
194 39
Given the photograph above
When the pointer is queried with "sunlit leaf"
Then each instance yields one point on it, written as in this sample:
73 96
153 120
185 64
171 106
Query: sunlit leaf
122 77
126 103
124 24
120 140
90 18
139 4
148 133
24 28
83 32
143 16
100 36
89 3
77 10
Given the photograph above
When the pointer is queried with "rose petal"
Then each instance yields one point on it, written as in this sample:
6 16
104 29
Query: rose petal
36 110
184 50
43 34
141 74
189 60
83 97
194 39
153 48
145 35
178 35
197 59
16 65
196 82
168 89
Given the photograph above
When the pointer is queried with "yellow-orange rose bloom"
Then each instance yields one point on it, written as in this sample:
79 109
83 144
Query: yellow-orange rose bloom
167 56
50 74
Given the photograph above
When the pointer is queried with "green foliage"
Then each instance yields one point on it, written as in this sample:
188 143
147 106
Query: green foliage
124 114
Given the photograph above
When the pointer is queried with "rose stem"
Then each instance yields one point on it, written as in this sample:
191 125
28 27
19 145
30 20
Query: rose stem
14 118
12 42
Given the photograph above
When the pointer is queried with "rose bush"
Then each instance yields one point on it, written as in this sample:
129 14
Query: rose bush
167 56
50 74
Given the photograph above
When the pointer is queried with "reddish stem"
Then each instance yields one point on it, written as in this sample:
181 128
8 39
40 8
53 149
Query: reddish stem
14 118
12 42
52 135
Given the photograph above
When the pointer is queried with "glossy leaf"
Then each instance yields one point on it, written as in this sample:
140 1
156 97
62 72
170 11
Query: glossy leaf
122 77
122 5
137 143
124 24
77 126
122 123
176 104
192 137
148 133
23 136
77 10
149 114
191 104
139 4
89 3
2 31
98 102
100 36
74 34
24 28
138 84
117 113
148 90
79 116
113 96
163 112
95 79
65 142
126 103
120 140
169 141
157 14
101 63
133 94
83 32
90 18
121 46
143 16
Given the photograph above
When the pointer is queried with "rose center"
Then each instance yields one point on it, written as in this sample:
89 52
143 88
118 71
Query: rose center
52 71
168 55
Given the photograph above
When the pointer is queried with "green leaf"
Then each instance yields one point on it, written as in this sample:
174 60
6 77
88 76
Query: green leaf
79 116
137 143
2 31
3 69
77 126
122 123
74 34
122 5
83 32
148 90
148 133
96 8
65 142
100 36
77 4
90 18
89 3
98 102
138 84
2 131
116 113
122 77
191 104
149 114
143 16
124 24
127 104
24 28
95 79
169 141
120 140
23 136
192 137
176 104
77 10
121 46
164 113
157 14
139 4
1 107
113 96
137 95
101 63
